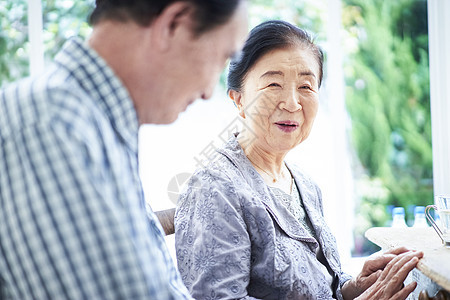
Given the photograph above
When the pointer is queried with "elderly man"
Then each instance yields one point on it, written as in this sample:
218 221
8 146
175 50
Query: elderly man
73 222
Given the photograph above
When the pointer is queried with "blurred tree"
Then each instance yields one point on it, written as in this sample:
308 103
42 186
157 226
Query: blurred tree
61 19
307 14
13 40
388 99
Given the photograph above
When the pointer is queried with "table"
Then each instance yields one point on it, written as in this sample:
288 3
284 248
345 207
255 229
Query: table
435 263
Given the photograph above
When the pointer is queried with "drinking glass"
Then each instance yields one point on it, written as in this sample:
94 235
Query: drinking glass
442 207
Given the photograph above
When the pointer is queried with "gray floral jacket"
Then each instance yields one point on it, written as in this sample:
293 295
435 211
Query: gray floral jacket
234 241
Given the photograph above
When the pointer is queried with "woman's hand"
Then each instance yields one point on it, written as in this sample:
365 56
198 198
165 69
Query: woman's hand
389 284
383 275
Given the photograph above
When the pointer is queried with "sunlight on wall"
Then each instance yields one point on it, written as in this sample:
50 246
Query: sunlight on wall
170 150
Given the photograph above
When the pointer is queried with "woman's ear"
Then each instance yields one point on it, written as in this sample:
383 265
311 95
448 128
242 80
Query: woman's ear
237 99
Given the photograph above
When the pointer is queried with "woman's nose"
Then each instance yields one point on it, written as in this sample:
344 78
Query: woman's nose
291 101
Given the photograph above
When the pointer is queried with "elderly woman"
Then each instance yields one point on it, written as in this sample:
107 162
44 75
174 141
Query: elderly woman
251 225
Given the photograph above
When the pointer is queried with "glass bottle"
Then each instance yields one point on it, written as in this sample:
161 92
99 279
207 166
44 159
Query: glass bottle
398 217
419 217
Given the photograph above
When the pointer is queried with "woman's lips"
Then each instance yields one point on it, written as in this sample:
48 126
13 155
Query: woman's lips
287 126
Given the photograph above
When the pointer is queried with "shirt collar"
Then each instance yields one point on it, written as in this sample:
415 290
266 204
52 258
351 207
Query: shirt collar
100 82
234 152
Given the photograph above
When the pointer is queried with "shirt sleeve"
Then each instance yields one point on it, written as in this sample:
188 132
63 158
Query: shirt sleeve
213 246
344 278
68 231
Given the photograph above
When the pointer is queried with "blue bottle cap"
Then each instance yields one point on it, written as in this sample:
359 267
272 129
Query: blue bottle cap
419 210
398 211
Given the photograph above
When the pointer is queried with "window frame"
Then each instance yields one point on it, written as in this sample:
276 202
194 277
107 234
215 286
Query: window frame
439 66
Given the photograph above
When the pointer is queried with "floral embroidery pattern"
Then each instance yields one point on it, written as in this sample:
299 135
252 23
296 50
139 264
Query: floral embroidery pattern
235 240
204 260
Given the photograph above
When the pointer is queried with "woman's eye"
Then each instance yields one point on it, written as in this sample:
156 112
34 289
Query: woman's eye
305 87
274 84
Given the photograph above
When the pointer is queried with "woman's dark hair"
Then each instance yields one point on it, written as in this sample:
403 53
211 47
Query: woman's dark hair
208 13
265 37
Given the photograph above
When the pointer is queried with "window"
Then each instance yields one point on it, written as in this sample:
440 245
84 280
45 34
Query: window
340 26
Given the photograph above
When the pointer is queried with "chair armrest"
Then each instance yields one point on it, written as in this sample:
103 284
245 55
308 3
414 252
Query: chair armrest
166 218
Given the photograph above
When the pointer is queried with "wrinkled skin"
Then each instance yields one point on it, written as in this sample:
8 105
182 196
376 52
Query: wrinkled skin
382 276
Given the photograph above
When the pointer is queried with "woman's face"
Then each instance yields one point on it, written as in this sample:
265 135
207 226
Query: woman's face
279 98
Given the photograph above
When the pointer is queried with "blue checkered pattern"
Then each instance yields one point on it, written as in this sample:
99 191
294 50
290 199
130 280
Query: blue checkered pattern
73 220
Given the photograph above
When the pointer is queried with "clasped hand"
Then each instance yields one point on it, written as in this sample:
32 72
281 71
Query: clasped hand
382 276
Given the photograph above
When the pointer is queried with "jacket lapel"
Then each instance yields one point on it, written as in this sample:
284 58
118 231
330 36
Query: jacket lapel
280 214
312 204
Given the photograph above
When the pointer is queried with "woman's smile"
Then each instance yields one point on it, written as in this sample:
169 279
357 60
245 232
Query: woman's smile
287 125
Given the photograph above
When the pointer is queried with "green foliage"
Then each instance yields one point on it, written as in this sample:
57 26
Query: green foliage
388 99
13 40
61 19
309 15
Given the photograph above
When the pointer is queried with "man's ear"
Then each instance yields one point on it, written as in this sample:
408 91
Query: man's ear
175 18
237 99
